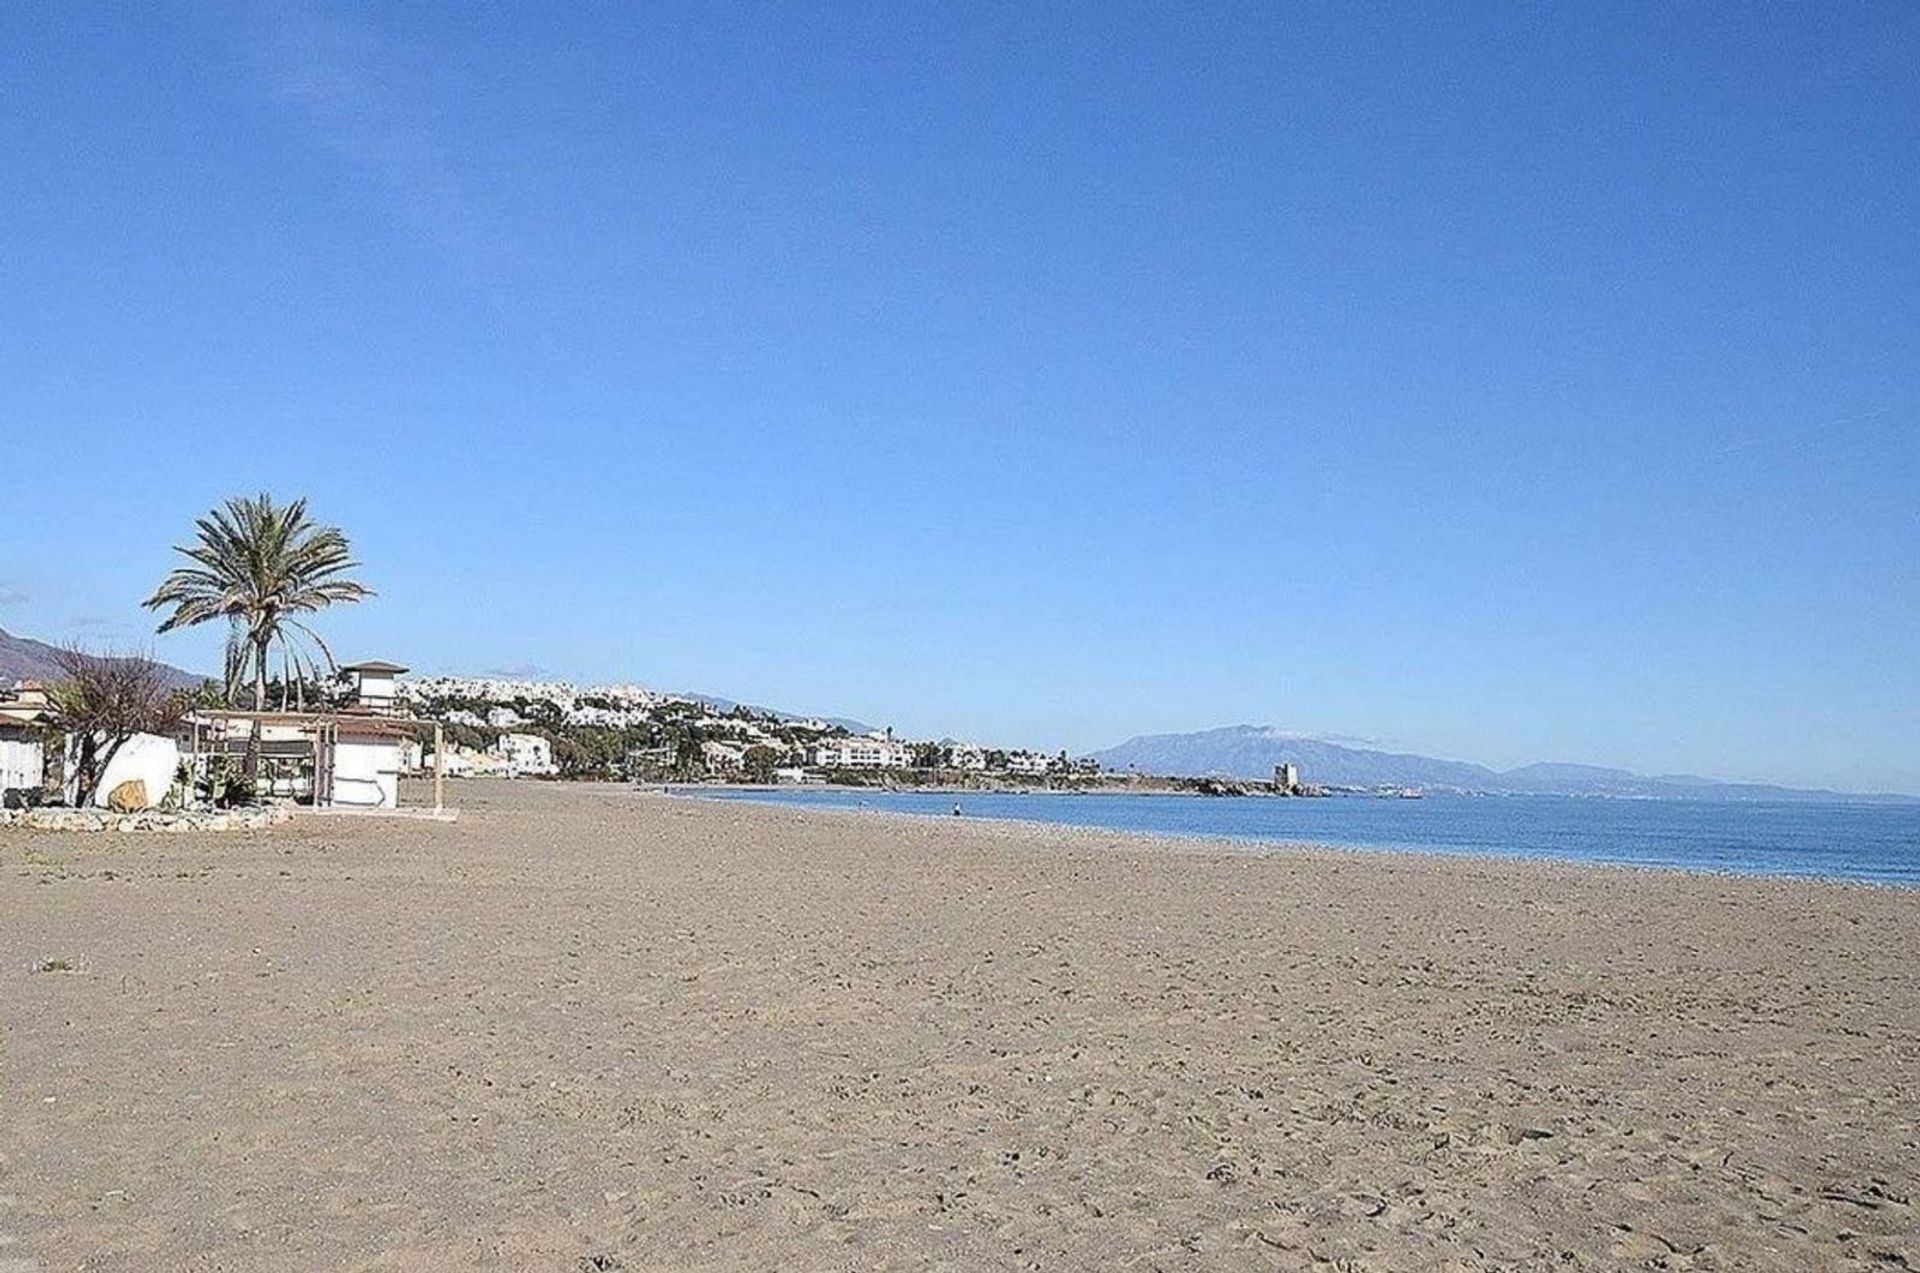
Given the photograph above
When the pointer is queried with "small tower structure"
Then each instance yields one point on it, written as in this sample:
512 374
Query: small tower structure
372 682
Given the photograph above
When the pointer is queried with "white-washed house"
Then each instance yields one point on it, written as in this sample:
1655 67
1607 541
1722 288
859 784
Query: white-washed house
23 761
1031 763
527 754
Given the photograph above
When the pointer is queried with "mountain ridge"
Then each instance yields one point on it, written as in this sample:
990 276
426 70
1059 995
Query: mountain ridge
1251 751
25 659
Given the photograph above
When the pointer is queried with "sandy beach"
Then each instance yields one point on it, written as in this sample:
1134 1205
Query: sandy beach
585 1028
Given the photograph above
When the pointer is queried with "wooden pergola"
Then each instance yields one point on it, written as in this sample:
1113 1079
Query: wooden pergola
309 742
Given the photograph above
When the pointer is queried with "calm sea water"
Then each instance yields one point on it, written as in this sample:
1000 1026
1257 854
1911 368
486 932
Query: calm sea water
1877 843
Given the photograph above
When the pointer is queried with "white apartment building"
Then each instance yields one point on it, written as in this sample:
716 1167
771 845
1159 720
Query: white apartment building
1029 762
968 756
872 751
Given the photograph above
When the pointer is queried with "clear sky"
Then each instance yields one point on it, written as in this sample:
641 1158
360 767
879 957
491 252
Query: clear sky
1504 382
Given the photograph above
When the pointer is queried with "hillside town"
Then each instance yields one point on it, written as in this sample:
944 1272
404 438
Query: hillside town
347 741
625 731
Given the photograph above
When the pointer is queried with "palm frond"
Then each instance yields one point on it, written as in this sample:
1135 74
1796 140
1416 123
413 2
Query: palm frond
253 563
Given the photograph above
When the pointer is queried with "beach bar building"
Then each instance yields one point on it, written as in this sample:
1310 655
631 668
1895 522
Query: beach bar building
351 758
319 758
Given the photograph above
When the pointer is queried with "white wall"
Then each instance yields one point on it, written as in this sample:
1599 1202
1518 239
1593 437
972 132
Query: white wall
375 690
366 773
148 757
22 763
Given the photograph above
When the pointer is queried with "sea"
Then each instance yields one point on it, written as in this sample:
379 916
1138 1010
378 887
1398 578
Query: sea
1876 843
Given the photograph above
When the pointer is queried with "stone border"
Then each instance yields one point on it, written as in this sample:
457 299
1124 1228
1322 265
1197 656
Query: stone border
150 820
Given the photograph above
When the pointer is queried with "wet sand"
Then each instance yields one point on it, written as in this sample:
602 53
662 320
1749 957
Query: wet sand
585 1028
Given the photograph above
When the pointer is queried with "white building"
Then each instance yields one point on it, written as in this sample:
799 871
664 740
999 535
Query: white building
465 762
722 758
968 756
373 684
367 755
23 763
857 751
342 759
1031 763
366 764
526 754
351 758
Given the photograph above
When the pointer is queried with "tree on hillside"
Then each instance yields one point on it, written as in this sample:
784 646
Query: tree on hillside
689 757
257 565
102 701
761 763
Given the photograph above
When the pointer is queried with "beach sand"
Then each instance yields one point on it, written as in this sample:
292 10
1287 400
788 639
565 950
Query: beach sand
586 1028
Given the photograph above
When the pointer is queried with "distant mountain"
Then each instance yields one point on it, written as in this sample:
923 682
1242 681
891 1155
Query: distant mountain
1251 751
24 659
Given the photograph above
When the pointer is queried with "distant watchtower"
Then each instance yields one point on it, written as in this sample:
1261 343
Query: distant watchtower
1286 777
372 686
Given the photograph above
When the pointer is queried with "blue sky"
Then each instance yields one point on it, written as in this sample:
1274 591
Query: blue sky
1509 383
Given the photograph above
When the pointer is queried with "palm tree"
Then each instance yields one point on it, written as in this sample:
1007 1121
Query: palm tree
257 565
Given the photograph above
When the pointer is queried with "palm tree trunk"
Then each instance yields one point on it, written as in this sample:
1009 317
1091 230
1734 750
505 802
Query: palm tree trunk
252 768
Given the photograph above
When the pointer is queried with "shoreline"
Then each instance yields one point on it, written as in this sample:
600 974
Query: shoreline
1253 788
1255 845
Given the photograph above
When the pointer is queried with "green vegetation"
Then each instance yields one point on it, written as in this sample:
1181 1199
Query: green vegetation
257 564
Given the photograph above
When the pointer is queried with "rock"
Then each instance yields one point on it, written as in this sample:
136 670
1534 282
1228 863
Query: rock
149 822
129 797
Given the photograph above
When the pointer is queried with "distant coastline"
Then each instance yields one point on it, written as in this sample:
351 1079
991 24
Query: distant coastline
1151 785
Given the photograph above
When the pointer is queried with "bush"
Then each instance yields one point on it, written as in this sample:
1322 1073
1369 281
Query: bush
225 784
